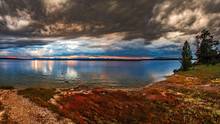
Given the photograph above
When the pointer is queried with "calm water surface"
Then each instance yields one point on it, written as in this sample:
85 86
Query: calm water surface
37 73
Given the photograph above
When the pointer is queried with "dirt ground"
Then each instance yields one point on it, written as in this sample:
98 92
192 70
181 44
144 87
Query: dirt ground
17 109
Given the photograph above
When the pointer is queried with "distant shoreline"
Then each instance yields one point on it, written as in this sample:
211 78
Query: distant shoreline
93 59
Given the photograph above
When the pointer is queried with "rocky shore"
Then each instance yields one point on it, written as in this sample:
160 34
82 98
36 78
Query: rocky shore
186 97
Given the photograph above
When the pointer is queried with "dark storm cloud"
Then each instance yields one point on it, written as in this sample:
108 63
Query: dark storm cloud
20 43
15 42
187 16
153 19
113 15
162 24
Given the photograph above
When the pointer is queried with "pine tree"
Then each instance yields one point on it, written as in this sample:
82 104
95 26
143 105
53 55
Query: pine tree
207 48
186 57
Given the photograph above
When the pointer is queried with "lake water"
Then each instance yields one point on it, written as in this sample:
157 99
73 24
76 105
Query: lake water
36 73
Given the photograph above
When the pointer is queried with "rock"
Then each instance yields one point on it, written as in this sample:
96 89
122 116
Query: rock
53 101
57 97
2 115
217 80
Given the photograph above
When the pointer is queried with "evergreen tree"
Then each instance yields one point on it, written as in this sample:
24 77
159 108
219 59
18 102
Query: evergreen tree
186 57
207 48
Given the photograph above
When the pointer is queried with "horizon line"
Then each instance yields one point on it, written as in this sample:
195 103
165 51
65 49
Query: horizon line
93 58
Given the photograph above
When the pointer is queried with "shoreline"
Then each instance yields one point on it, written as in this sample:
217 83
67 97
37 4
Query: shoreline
93 59
185 97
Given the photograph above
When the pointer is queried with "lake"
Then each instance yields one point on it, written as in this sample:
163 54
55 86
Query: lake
38 73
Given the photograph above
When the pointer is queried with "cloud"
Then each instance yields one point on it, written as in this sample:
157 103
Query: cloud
107 45
23 19
53 6
186 16
144 27
152 19
16 42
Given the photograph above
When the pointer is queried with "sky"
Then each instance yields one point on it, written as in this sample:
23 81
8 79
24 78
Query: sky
143 28
87 46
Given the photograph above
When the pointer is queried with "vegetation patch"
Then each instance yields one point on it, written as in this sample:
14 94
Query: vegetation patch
154 104
103 106
203 72
184 108
7 87
36 94
41 97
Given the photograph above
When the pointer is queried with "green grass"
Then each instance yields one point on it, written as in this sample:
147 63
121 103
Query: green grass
204 72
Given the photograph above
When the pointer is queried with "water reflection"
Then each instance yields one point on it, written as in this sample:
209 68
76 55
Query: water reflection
100 73
45 67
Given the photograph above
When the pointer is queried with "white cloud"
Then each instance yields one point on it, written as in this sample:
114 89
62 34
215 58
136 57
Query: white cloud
53 6
189 16
22 20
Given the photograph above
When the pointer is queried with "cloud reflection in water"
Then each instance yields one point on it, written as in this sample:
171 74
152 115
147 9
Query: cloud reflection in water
99 73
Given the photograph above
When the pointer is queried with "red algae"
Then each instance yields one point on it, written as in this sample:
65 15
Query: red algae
103 105
179 99
160 103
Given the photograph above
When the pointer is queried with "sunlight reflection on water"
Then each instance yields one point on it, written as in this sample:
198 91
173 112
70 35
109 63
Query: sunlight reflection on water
70 73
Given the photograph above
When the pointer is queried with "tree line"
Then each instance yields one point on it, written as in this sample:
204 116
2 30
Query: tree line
207 51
